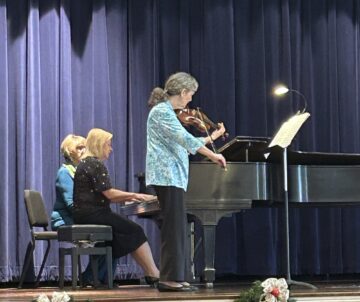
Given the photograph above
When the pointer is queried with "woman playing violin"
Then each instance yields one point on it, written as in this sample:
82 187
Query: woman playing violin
167 169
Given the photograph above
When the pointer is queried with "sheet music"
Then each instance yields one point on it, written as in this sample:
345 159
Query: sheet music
288 130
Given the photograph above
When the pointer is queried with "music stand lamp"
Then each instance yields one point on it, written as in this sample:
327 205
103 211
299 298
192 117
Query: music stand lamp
281 90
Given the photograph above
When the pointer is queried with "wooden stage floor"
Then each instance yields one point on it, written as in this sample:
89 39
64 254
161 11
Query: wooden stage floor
332 291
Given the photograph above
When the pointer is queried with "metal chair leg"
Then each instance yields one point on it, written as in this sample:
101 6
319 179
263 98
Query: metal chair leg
29 255
43 263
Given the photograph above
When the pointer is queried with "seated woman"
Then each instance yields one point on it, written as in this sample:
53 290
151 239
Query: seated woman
93 194
72 148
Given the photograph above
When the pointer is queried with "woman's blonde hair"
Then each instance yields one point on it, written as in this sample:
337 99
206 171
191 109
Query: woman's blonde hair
174 85
69 145
95 142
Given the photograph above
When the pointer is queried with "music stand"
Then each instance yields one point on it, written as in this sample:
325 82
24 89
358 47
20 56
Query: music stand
245 149
283 139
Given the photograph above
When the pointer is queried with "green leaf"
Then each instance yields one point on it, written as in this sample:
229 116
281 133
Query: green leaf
252 294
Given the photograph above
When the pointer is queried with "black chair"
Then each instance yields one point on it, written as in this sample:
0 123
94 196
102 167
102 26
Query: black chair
79 235
83 239
37 217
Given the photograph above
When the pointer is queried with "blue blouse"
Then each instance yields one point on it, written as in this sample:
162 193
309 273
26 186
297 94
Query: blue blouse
62 213
168 144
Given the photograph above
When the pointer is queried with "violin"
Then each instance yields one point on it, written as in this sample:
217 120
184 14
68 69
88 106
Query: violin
197 119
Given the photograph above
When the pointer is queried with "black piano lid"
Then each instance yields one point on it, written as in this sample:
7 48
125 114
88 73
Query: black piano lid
317 158
252 149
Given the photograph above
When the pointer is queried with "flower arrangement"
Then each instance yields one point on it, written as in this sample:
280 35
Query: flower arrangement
271 290
56 297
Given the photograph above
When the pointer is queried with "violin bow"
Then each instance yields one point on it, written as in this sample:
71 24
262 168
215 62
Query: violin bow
206 130
207 133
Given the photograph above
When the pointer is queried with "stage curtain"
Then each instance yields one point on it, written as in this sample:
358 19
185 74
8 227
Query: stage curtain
68 66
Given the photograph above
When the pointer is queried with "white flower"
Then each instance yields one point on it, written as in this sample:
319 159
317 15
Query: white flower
56 297
275 290
42 298
60 297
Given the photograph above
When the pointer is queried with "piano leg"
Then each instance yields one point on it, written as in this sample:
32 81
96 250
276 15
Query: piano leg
209 253
191 251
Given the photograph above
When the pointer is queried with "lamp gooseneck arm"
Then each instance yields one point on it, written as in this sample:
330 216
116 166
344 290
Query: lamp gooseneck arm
303 98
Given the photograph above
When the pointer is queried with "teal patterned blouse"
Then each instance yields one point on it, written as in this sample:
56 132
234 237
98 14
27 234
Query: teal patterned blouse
168 145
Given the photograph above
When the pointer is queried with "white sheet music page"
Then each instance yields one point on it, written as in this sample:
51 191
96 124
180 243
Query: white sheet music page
288 130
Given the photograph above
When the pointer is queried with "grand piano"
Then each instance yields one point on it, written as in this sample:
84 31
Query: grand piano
314 179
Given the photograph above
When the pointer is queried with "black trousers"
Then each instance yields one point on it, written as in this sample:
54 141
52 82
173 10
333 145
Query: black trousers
174 260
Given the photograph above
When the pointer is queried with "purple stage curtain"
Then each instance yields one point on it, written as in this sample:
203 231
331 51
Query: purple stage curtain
64 69
68 66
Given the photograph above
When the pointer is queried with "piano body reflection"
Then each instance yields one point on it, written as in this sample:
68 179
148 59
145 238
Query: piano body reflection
314 179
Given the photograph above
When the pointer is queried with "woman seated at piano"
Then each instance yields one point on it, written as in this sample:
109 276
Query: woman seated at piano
72 148
167 169
93 193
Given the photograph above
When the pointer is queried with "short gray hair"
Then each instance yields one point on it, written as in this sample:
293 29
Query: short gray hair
174 85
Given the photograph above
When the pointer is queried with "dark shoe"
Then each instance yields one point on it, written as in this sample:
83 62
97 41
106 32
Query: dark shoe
91 284
152 281
166 288
192 288
88 284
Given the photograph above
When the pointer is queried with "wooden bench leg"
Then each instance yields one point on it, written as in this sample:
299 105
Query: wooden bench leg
61 267
74 266
109 261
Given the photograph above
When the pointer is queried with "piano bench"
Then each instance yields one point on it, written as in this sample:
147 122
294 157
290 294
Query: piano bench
83 238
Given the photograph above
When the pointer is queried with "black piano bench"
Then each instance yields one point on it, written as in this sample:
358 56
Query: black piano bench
83 238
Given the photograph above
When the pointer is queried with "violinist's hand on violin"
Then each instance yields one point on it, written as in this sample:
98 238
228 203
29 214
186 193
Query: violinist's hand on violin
218 132
144 197
219 159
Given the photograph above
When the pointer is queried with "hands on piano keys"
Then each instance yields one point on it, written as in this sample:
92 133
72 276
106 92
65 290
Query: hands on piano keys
139 198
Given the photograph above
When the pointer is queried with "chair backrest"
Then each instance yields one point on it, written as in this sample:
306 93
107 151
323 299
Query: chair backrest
35 208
